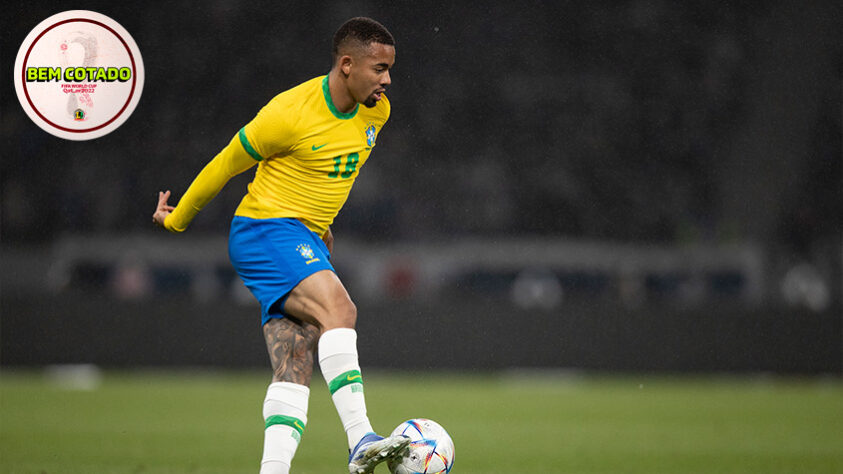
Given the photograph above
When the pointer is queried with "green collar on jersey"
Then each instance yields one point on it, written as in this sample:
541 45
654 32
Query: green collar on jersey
326 91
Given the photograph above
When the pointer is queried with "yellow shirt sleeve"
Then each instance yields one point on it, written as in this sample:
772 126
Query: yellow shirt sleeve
272 131
231 161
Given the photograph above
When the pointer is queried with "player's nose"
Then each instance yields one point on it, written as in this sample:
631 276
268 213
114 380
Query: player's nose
386 80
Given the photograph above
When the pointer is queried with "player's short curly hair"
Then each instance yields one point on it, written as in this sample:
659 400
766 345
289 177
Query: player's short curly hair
362 30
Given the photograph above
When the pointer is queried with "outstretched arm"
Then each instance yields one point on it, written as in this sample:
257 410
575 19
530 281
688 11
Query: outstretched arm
231 161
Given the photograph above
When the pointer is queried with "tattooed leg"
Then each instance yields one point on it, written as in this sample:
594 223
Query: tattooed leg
291 344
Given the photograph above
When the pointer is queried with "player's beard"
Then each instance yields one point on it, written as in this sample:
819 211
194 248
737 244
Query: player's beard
370 102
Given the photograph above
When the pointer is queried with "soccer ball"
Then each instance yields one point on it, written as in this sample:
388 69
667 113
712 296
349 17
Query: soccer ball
431 449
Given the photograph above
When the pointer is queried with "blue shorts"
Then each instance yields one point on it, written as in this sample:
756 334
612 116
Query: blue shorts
272 256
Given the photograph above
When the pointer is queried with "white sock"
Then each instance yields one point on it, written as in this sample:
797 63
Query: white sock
285 414
338 361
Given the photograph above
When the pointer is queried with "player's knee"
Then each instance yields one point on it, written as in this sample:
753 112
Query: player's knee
343 314
347 314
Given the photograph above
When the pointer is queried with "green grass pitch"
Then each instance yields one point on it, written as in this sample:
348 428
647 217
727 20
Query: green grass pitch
184 422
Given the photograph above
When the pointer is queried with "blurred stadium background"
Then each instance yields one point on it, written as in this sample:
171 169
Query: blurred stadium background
642 187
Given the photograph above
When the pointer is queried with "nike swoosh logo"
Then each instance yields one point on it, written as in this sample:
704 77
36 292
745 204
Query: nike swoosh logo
350 378
314 147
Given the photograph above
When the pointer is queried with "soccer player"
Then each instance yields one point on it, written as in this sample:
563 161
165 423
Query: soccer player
309 143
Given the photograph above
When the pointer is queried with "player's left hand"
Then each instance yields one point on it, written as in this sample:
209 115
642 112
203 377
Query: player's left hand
163 209
328 238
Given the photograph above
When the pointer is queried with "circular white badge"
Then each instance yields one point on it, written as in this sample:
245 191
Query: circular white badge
79 75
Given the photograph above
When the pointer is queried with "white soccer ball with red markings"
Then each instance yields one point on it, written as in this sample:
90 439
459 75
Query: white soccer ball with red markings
431 449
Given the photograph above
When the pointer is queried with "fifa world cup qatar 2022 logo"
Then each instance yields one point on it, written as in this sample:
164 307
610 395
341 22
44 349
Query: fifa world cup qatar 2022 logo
79 75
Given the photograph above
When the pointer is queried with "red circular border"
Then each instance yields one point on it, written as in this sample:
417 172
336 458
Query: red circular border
35 109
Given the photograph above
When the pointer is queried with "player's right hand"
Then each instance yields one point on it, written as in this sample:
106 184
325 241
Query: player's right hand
163 210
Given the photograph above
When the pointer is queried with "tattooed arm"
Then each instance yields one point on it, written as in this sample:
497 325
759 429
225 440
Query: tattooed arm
291 344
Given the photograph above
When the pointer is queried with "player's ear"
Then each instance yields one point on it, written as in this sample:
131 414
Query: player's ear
345 64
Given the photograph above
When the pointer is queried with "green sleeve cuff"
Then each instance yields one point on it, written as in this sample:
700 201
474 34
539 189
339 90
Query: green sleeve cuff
248 146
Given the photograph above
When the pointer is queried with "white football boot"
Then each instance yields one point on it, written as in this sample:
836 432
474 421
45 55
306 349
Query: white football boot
373 450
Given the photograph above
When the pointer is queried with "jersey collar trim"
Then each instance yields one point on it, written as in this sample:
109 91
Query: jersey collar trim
326 91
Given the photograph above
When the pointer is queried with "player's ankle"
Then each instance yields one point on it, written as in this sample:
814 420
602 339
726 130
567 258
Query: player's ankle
274 467
358 432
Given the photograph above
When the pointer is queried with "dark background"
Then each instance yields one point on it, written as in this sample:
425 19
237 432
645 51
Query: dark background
643 123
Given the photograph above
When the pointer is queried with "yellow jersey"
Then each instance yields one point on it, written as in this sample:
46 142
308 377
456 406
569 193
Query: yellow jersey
308 156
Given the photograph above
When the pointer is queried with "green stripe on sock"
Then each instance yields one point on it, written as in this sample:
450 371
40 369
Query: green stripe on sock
248 146
347 378
290 421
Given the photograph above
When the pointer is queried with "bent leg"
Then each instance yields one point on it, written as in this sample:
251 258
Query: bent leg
322 299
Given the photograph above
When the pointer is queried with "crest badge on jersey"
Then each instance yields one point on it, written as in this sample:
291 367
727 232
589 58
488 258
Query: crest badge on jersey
307 253
370 135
